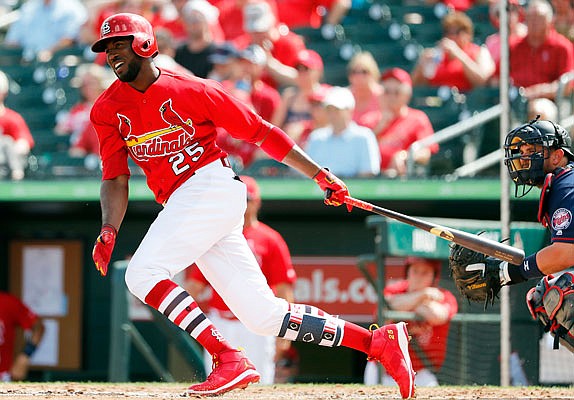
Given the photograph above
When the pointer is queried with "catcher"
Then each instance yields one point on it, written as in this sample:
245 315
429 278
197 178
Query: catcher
539 154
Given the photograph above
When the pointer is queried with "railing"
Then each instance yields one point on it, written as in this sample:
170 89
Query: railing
561 97
451 132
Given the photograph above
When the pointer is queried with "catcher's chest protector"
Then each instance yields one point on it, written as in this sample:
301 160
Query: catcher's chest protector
552 303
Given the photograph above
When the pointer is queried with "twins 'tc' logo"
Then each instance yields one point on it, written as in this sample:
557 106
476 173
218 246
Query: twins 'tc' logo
561 220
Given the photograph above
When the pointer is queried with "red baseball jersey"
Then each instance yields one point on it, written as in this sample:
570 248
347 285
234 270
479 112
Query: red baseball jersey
431 339
403 131
271 253
13 314
169 130
12 124
543 64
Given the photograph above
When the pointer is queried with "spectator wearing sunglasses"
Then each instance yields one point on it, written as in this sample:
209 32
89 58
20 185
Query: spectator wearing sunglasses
455 61
363 74
398 125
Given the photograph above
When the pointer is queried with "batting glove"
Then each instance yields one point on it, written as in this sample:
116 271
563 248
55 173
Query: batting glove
103 248
334 188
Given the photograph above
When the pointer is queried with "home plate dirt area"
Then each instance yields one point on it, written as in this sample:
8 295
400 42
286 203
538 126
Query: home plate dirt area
152 390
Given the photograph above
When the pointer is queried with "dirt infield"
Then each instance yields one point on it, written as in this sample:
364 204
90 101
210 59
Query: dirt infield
150 390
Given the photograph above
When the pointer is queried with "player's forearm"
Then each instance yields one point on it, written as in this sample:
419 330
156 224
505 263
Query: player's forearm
405 302
37 332
296 158
555 258
114 200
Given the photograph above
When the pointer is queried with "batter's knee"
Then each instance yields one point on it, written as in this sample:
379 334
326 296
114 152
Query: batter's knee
140 280
268 322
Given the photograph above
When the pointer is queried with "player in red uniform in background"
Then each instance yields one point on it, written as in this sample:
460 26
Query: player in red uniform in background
273 257
15 314
435 307
166 123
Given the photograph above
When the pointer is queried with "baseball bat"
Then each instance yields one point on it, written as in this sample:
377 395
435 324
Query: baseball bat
471 241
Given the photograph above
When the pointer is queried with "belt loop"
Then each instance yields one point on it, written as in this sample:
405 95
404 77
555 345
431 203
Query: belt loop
225 162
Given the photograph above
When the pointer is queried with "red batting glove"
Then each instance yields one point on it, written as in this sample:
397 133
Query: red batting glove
103 248
334 188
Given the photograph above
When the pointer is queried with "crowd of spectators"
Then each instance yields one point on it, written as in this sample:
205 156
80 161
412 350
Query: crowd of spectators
250 46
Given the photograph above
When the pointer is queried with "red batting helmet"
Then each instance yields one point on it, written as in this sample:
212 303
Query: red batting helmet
124 25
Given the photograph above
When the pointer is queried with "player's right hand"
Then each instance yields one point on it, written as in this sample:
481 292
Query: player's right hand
103 248
334 188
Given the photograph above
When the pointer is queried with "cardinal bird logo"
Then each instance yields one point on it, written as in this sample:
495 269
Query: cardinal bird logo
160 142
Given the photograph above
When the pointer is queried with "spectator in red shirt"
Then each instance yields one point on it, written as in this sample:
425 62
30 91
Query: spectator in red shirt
273 257
14 314
282 45
91 80
456 61
16 141
309 13
516 28
363 74
542 56
435 308
398 125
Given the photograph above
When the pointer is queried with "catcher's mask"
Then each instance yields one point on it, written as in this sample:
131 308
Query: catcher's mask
527 170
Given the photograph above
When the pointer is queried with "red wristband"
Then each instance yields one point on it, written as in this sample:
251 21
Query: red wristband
277 144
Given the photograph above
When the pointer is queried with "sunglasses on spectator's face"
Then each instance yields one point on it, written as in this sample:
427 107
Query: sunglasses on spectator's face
358 72
302 68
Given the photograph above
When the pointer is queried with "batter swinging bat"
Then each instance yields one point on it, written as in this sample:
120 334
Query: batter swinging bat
474 242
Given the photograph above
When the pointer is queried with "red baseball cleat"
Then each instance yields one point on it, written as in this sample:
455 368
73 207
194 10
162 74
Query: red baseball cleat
231 370
390 346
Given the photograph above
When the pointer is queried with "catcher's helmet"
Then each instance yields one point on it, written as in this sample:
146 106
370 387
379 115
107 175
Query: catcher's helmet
528 170
128 25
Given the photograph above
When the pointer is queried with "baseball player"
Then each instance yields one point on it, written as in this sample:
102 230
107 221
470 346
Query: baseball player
15 314
537 154
419 293
273 257
166 123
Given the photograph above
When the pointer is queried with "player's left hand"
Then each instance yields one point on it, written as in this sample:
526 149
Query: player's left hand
334 188
103 248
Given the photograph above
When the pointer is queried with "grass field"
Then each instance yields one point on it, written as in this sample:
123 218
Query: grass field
150 390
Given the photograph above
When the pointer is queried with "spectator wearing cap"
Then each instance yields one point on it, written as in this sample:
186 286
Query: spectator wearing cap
282 45
194 53
313 13
435 307
346 148
232 22
539 59
225 60
516 28
364 74
398 125
173 22
265 98
294 113
456 61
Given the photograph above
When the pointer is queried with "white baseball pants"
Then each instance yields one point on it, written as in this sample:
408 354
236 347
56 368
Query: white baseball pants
202 222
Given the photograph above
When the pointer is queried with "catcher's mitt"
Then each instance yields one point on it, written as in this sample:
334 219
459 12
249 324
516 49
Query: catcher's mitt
476 275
